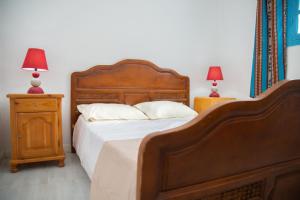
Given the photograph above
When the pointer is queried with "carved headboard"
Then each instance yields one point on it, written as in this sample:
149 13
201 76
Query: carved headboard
127 82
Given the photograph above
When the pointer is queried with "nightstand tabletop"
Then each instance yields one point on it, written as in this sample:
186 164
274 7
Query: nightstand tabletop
203 103
34 95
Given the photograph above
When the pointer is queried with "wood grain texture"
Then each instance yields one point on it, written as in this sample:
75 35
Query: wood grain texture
37 134
203 103
233 150
36 129
127 82
250 146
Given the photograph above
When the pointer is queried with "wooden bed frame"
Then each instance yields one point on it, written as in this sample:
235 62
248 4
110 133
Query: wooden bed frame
236 150
127 82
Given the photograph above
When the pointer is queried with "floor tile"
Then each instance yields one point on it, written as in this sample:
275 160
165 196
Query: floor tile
45 181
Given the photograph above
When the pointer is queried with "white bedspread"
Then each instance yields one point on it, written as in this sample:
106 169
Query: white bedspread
89 137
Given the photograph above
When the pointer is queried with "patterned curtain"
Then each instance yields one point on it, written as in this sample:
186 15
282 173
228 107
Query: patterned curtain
269 59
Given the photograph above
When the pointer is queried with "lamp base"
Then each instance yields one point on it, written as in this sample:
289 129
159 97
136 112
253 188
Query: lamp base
214 90
214 94
35 82
35 90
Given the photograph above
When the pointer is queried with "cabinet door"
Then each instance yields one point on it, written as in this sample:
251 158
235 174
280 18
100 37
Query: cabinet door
37 134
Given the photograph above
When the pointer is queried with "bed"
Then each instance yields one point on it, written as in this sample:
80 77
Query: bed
235 150
89 137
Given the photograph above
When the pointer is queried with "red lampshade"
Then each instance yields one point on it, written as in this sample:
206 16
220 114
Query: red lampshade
35 60
214 73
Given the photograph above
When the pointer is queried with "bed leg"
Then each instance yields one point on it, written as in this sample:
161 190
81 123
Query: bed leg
61 163
13 167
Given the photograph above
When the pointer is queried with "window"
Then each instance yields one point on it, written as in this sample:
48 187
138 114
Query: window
293 23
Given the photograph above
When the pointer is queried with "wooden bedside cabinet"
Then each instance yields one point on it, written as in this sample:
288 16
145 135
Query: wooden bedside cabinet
36 129
203 103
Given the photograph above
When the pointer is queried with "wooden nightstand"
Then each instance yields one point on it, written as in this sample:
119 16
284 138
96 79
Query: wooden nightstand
203 103
36 129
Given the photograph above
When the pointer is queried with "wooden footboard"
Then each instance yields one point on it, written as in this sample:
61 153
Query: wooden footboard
239 150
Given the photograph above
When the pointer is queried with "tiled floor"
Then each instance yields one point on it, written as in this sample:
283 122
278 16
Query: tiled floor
45 181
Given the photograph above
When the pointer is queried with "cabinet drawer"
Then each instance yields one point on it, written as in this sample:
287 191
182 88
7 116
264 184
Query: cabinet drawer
35 105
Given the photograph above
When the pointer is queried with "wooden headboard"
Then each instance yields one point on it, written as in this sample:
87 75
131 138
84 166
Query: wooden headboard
127 82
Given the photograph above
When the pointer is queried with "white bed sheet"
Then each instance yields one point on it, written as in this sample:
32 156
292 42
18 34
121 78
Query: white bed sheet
88 137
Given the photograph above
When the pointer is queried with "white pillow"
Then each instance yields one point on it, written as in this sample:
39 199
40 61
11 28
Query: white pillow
165 109
109 111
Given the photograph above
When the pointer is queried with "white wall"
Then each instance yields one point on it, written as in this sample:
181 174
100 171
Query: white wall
187 35
78 34
293 71
236 28
2 113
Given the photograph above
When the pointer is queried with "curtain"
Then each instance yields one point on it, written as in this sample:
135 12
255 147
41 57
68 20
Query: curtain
269 57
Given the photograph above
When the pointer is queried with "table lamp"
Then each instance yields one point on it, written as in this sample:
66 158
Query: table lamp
35 60
214 74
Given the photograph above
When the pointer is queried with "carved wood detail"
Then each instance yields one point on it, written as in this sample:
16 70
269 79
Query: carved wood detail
254 191
286 186
36 129
234 150
36 134
128 82
224 147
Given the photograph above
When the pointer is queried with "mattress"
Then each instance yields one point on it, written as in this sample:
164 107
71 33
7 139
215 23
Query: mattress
89 137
